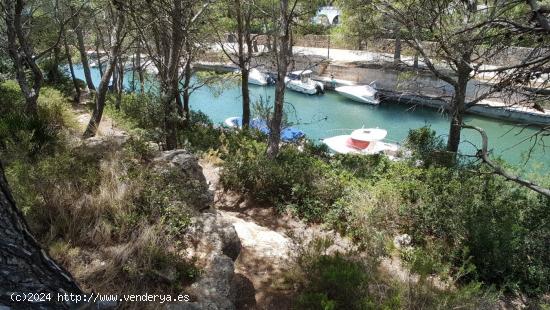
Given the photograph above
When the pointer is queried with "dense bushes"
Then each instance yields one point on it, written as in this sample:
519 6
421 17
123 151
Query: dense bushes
468 220
293 180
332 280
21 133
109 214
114 206
137 111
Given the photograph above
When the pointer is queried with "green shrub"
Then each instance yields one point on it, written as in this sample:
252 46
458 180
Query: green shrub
293 179
339 280
425 145
142 111
24 134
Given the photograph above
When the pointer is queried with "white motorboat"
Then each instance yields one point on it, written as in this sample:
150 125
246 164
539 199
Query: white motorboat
256 77
361 93
301 81
366 141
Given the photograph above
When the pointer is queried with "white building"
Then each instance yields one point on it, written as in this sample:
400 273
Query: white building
327 15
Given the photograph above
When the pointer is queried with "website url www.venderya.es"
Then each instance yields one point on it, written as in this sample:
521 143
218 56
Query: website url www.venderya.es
94 297
159 298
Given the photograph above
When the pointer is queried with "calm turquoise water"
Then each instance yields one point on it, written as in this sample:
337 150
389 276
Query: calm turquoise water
331 114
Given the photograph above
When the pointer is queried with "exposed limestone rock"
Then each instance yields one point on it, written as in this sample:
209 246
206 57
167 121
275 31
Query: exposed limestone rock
192 176
215 243
267 244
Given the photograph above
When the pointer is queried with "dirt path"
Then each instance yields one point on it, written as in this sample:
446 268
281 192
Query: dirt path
269 240
107 127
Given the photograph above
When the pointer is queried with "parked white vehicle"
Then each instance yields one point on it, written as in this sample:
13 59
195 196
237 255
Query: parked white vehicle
361 93
366 141
301 81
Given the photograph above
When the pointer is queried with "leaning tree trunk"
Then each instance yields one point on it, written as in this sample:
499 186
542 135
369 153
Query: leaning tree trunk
82 49
71 69
282 54
98 55
97 113
457 110
25 266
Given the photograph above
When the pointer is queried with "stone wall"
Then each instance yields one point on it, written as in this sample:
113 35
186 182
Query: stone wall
509 56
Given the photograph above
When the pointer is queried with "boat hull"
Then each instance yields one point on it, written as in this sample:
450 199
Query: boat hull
257 78
305 88
339 144
347 92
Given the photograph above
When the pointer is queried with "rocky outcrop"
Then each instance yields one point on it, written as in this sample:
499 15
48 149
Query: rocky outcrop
214 242
211 240
191 175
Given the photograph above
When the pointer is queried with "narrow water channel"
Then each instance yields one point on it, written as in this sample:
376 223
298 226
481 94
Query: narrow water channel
331 114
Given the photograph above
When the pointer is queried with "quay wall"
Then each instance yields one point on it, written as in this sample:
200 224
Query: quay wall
405 87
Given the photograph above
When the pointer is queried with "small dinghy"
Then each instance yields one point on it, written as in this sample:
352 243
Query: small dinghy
367 141
301 81
288 134
361 93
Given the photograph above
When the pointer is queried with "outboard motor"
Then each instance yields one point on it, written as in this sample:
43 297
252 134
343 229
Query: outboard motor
271 80
319 89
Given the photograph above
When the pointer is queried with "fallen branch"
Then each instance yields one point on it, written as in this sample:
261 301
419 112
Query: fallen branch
483 155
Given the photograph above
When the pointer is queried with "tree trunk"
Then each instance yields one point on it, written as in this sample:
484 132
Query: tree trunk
415 61
170 117
243 64
54 75
71 69
97 113
282 53
21 53
397 49
133 85
140 69
171 78
457 110
246 97
114 84
98 55
26 267
82 49
120 83
186 82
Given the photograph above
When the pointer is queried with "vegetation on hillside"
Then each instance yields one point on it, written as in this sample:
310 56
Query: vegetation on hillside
105 212
372 199
109 214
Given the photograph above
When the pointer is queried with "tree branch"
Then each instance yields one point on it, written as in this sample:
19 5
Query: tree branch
483 155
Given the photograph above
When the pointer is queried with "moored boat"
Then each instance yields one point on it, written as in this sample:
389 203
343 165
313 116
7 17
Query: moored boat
361 93
366 141
256 77
301 81
288 134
